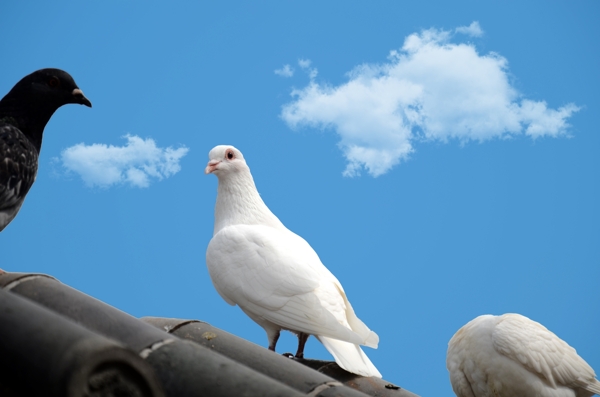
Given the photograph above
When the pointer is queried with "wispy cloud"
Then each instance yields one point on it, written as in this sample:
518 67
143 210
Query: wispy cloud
429 90
137 163
305 64
472 30
285 71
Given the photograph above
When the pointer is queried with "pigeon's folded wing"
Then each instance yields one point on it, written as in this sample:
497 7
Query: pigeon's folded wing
280 278
541 352
18 166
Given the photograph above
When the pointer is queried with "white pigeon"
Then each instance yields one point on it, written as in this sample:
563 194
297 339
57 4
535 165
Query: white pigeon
513 356
274 275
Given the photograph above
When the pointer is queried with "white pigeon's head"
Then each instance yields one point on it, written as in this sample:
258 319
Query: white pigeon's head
225 159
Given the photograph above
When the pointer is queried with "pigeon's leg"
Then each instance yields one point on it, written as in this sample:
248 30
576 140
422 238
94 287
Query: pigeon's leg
273 338
302 338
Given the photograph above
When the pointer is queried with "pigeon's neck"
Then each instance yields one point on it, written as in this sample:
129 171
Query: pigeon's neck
238 203
29 116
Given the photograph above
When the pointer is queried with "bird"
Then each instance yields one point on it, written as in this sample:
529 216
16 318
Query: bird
274 275
24 113
513 356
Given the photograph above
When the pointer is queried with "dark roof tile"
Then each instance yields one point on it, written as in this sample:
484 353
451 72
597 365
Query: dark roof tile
156 355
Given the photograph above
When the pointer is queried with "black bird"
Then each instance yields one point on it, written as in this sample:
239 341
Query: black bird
24 112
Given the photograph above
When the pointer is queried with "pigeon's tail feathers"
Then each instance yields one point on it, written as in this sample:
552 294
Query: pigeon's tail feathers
350 357
370 338
303 313
593 387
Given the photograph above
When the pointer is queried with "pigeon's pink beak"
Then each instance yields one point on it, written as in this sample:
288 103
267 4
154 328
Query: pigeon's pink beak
212 165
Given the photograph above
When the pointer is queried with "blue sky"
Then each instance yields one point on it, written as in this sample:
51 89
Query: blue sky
441 159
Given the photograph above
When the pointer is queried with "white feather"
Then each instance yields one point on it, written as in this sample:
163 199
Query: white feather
350 357
511 355
274 275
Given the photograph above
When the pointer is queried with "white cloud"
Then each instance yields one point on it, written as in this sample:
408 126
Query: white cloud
137 163
305 64
285 71
429 90
472 30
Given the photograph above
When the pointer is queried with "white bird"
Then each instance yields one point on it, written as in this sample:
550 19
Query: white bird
274 275
513 356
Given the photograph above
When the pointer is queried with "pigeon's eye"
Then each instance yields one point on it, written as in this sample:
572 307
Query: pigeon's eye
229 155
53 82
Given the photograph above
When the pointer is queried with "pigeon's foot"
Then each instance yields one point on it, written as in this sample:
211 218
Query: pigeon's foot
302 338
273 338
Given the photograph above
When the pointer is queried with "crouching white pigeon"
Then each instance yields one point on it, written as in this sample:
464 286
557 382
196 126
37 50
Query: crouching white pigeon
513 356
274 275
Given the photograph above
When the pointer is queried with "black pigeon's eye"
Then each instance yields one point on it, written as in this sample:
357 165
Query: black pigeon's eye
229 155
53 82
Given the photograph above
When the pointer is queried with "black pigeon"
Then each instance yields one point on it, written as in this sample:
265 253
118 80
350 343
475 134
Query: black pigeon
24 112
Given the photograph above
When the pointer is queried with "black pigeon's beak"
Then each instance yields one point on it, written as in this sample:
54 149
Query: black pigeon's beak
80 98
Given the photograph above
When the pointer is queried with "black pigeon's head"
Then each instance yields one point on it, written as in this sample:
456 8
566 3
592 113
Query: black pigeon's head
49 88
33 100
